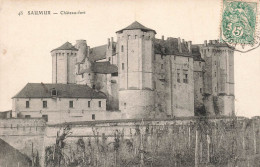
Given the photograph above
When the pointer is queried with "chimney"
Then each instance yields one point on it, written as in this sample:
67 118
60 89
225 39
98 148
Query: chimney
189 46
112 40
205 43
88 53
183 41
163 37
179 45
210 42
213 42
108 42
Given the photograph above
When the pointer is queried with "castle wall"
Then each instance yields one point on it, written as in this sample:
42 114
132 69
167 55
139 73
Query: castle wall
160 84
26 135
198 85
150 134
182 91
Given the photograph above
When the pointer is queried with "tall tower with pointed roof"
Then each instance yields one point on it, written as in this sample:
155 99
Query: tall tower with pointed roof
135 68
63 63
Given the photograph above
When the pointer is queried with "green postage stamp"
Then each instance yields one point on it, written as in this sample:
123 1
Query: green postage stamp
239 24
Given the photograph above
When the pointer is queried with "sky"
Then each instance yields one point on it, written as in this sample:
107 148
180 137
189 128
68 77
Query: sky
26 40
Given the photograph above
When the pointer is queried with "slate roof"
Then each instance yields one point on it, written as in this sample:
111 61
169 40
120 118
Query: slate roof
170 47
136 26
104 68
98 53
101 68
66 46
42 90
11 156
196 53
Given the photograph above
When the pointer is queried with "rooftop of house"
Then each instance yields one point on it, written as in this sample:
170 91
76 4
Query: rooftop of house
98 53
42 90
101 68
66 46
136 26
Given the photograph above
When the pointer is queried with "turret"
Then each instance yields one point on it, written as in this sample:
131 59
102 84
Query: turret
63 63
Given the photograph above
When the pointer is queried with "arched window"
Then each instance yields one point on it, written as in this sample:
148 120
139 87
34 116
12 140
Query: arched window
122 48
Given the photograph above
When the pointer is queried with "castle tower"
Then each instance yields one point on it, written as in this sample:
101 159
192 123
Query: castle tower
84 73
82 47
63 63
135 52
218 78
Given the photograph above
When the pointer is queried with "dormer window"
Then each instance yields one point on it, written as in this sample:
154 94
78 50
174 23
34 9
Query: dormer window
53 92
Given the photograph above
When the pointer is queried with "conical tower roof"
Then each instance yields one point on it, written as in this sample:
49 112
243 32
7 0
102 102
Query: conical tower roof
66 46
136 26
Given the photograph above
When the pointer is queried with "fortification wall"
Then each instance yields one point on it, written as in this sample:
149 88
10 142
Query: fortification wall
169 141
26 135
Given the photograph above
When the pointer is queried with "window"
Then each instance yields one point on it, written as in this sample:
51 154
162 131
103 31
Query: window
44 104
114 74
215 62
200 90
142 36
154 85
200 64
215 74
136 37
99 103
215 89
200 74
109 59
94 86
53 92
71 104
161 56
129 36
161 66
88 103
185 80
27 116
45 117
124 105
174 57
178 77
188 59
122 48
27 104
123 66
67 54
82 75
93 117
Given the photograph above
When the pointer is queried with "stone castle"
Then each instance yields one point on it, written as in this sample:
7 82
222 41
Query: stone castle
136 76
